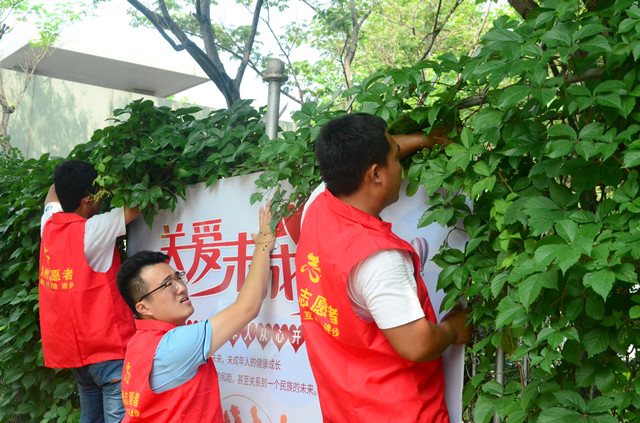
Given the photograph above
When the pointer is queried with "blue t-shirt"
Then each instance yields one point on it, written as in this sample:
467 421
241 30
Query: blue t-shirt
180 353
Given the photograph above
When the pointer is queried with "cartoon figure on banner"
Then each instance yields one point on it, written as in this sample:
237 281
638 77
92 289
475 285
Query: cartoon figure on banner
421 246
236 406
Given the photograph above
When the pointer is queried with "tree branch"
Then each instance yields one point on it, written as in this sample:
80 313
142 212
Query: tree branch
248 45
477 100
289 63
438 28
351 43
210 64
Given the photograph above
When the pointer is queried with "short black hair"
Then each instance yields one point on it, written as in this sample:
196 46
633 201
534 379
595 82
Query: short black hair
130 284
347 146
73 180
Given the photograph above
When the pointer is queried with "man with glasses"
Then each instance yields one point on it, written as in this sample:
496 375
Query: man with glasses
84 323
168 372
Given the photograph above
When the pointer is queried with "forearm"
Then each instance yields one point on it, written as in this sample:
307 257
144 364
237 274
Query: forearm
410 143
51 197
436 343
232 319
256 283
421 340
131 214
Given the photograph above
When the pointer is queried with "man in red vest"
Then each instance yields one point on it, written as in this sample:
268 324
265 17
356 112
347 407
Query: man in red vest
85 325
169 375
372 336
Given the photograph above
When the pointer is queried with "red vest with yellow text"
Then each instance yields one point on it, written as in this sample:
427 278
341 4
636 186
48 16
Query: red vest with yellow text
359 375
197 400
83 318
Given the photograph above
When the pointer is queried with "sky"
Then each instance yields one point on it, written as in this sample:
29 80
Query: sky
111 18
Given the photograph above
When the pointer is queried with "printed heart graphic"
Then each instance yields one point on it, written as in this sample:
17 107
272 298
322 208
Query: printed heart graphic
249 334
264 334
280 335
235 338
296 337
291 226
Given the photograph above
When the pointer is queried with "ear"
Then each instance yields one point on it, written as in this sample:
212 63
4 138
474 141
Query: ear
142 310
374 174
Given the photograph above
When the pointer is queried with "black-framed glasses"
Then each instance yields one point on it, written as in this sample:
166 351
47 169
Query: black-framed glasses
169 281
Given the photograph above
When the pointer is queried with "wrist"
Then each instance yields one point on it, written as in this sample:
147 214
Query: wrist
449 332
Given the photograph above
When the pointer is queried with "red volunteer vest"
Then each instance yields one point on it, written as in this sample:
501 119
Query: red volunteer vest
359 375
197 400
83 318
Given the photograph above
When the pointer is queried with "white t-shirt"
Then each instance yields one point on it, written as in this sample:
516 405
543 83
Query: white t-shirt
101 232
382 287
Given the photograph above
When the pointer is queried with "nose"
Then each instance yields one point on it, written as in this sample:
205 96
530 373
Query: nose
181 286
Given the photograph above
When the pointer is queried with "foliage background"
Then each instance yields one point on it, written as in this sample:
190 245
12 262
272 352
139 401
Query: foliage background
549 154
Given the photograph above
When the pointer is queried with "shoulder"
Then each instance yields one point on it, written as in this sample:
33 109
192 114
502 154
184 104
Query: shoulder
49 210
386 260
112 217
316 192
179 354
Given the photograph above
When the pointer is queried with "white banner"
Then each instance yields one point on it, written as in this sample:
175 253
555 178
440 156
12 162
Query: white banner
264 373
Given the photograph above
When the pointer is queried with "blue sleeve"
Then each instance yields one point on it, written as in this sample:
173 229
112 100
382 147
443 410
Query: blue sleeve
180 353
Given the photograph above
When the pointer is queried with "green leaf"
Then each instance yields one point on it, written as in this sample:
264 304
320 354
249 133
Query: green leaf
609 100
556 37
508 311
559 415
600 281
496 34
596 341
529 289
572 398
567 229
485 184
592 130
481 168
596 46
600 405
564 255
487 118
563 131
513 95
484 409
631 158
560 148
466 137
588 30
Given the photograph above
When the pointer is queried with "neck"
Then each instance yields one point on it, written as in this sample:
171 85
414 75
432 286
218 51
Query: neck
363 202
82 211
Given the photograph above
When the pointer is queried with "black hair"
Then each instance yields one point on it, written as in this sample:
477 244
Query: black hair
130 284
73 180
347 146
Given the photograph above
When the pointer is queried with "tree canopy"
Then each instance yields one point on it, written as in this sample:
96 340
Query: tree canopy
345 34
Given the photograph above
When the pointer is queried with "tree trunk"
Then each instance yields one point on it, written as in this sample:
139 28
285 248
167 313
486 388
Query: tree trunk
351 42
523 7
208 59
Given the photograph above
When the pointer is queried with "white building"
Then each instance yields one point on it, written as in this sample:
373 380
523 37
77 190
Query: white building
97 66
